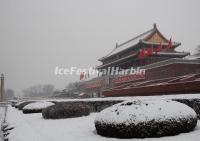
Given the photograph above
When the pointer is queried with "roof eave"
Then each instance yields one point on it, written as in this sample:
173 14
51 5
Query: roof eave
103 58
174 44
121 59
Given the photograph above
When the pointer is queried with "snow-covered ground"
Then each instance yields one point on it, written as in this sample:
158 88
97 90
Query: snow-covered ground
185 96
2 116
32 127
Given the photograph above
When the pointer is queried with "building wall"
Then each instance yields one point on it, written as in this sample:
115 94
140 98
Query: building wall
172 70
160 72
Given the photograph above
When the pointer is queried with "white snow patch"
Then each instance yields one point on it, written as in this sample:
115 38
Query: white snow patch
38 105
20 103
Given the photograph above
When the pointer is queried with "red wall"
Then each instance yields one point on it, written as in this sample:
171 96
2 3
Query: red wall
172 70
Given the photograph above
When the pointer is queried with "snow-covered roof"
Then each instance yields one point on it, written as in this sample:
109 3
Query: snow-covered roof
170 61
173 53
129 43
175 44
132 55
177 54
193 57
142 38
81 94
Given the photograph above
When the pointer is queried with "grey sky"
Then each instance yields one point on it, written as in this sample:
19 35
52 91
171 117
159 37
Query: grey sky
38 35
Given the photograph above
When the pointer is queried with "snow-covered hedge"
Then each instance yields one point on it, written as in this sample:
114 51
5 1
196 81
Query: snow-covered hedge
193 103
65 110
13 102
21 105
18 103
140 119
36 107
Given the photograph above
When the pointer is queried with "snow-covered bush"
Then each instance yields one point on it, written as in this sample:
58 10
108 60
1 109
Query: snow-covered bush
21 105
13 102
193 103
18 103
36 107
140 119
97 106
66 110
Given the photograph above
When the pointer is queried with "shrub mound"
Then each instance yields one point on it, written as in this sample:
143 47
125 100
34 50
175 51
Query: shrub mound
36 107
21 105
141 119
17 104
66 110
193 103
13 102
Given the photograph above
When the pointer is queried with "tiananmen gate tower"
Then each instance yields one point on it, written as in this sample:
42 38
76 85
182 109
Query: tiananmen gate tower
167 71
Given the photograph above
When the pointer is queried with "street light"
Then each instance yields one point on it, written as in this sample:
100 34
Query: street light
2 87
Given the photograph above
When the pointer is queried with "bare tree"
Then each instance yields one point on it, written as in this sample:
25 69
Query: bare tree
39 91
48 90
72 87
9 94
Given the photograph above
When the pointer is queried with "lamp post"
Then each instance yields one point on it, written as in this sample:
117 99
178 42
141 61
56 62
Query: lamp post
2 87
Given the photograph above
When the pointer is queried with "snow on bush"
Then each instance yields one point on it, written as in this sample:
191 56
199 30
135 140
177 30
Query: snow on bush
36 107
193 103
66 110
21 105
148 118
18 103
13 102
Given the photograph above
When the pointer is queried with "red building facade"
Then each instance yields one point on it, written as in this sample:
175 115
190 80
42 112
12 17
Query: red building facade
150 51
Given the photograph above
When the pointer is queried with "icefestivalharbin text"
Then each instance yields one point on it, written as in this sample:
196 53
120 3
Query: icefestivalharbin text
95 72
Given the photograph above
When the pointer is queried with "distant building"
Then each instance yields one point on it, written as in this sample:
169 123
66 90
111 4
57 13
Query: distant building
150 51
125 55
65 94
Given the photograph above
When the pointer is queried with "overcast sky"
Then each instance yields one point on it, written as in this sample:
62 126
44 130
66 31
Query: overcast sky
38 35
